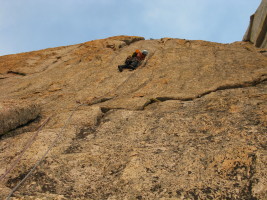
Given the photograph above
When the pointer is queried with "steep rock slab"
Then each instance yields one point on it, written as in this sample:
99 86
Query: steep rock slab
184 70
189 123
211 148
257 30
83 120
87 73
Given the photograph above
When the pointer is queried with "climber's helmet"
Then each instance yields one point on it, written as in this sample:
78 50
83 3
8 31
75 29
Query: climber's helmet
145 52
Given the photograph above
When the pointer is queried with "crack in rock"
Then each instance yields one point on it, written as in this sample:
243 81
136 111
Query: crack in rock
254 83
16 73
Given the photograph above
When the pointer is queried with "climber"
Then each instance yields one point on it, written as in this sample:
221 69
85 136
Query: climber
133 61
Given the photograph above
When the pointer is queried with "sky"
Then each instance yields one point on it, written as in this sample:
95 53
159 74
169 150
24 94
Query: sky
28 25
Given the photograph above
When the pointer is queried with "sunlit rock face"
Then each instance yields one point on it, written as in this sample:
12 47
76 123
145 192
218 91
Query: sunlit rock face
189 123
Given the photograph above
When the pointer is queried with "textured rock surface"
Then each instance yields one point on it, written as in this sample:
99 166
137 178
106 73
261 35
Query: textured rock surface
190 123
257 30
14 114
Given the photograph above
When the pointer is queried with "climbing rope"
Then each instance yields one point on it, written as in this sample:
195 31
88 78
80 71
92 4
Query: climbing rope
44 155
28 144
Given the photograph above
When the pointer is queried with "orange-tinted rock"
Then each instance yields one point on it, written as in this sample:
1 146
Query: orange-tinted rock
189 123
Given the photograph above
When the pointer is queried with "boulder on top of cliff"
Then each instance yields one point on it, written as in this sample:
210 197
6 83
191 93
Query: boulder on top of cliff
257 29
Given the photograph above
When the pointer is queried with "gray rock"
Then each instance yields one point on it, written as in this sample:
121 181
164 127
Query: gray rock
257 30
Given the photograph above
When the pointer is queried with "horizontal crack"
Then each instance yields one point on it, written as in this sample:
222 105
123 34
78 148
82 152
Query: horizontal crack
95 101
100 100
256 82
105 109
21 128
17 73
236 86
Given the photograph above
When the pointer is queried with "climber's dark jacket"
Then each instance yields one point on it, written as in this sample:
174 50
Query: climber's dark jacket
133 61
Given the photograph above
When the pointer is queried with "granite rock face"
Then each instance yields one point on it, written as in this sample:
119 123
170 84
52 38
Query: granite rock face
189 123
257 30
14 114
